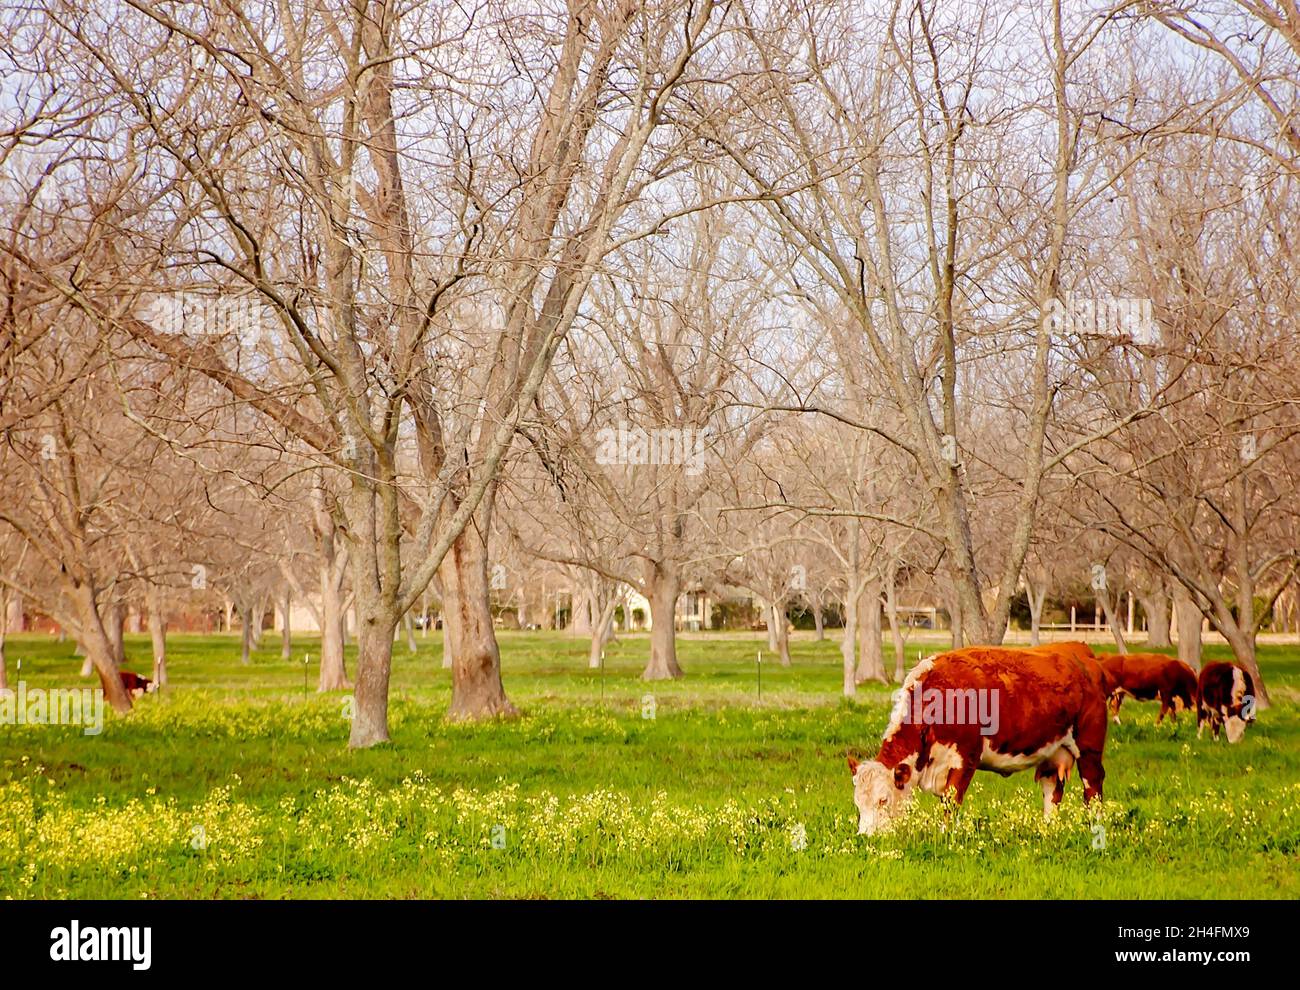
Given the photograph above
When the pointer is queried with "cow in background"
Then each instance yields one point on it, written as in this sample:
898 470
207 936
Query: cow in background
1148 676
1227 700
136 685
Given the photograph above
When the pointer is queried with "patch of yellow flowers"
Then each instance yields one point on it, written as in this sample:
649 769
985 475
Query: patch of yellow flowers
45 835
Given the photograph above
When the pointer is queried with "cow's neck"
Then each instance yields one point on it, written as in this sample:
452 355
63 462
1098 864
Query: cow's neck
901 745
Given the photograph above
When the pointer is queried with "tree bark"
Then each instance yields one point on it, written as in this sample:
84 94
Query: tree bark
333 667
374 667
245 634
1156 609
664 586
819 623
158 637
476 688
286 634
1112 620
580 621
115 627
99 650
954 621
448 650
849 643
871 663
601 633
409 624
896 633
1036 597
1188 618
259 616
782 630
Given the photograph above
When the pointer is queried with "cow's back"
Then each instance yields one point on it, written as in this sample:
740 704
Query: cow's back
1217 682
1042 697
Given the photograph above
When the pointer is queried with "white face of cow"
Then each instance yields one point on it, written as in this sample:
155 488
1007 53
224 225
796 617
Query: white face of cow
1235 723
1235 727
878 795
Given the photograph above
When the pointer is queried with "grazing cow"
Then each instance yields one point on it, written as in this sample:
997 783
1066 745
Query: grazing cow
1227 699
136 685
1147 676
1035 709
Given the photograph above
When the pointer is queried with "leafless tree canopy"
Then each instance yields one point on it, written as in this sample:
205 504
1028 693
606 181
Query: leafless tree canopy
365 304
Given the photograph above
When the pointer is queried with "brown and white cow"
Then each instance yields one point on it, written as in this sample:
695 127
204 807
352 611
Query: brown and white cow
1148 676
1227 700
136 684
1048 712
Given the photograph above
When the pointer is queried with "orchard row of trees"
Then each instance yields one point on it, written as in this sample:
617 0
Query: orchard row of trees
353 301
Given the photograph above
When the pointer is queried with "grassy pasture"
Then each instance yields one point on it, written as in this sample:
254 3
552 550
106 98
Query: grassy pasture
236 783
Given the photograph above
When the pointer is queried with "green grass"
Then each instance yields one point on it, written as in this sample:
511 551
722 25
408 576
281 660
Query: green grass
235 783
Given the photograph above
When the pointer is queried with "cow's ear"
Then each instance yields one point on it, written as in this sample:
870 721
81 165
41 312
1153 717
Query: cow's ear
902 774
853 766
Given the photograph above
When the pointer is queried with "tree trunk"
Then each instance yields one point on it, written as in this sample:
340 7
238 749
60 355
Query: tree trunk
286 634
1112 620
158 637
99 650
409 625
1156 609
448 651
601 632
895 631
333 668
782 629
771 622
1036 598
819 623
259 618
16 618
245 634
871 662
580 621
374 667
954 621
115 627
849 643
664 586
476 688
1188 618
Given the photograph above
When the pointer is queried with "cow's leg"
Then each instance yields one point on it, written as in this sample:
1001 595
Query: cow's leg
1116 700
1165 707
959 779
1092 773
1051 776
